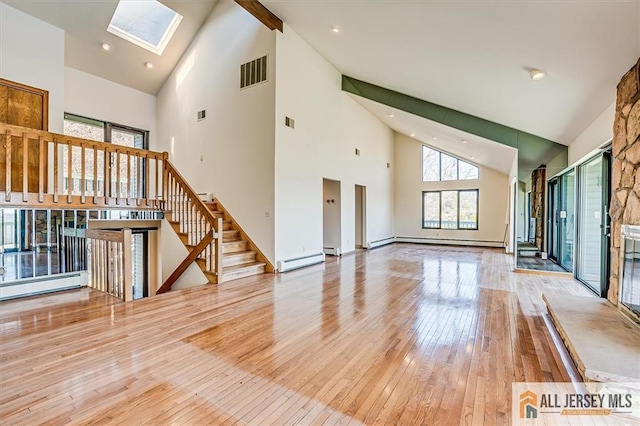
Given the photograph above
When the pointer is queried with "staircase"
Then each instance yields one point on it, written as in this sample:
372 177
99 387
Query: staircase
240 258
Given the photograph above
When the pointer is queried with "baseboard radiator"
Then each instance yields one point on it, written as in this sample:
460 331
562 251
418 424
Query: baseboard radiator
332 251
300 262
452 242
380 243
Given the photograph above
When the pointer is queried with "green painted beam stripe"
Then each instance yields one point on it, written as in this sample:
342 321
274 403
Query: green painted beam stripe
447 116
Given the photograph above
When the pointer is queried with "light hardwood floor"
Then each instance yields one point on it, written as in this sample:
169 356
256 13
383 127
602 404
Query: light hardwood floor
404 334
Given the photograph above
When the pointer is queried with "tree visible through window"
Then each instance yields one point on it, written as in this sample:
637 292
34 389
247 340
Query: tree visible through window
437 166
450 209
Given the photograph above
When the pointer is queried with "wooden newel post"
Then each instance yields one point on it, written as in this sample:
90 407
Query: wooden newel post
219 232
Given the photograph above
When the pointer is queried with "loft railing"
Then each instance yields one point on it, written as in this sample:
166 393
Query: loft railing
51 170
199 229
110 262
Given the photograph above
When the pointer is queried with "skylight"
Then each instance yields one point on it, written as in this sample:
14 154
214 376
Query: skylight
146 23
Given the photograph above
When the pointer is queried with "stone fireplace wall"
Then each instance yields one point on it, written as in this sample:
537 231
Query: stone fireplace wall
625 199
538 184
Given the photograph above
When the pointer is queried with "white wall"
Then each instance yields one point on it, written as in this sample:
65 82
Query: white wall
493 189
32 53
598 133
329 125
94 97
231 152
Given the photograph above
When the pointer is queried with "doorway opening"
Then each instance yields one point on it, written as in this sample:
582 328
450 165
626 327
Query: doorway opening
361 218
331 217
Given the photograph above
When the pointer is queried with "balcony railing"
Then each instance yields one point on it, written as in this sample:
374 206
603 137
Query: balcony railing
52 170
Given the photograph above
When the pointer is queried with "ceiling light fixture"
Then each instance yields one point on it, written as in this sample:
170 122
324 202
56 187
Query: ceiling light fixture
413 134
433 137
536 74
149 65
105 46
335 29
464 141
391 115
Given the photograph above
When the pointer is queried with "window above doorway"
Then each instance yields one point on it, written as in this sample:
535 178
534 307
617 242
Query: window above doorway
145 23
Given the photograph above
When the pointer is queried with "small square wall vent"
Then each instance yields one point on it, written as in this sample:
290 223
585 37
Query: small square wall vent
289 122
202 115
253 72
357 152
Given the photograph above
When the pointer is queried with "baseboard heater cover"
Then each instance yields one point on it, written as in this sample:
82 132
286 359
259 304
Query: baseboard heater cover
453 242
300 262
48 284
380 243
333 251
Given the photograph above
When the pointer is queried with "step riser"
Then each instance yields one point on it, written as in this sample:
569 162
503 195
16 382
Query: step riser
234 247
243 274
238 259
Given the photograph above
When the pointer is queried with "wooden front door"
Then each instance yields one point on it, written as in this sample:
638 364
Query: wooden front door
24 106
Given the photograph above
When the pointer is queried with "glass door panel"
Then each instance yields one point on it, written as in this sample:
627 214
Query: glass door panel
567 219
553 216
593 224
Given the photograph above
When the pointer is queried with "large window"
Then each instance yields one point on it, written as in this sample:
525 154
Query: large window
437 166
450 209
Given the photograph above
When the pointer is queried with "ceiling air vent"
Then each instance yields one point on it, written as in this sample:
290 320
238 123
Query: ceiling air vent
253 72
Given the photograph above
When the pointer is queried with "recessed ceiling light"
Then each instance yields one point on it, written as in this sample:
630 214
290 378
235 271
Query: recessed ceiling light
335 29
149 65
536 74
433 137
391 115
412 134
464 141
105 46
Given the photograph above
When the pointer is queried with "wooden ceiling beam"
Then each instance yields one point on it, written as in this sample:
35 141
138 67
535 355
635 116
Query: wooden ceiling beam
261 13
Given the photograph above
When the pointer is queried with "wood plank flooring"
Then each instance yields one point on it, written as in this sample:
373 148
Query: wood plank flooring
404 334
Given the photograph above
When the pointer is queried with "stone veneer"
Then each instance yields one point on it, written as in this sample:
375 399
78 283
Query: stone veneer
538 198
625 198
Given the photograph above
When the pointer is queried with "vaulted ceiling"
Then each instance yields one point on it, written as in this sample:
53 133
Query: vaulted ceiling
474 56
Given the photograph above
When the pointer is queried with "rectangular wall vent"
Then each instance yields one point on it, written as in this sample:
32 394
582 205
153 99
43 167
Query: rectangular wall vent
357 152
253 72
202 115
289 122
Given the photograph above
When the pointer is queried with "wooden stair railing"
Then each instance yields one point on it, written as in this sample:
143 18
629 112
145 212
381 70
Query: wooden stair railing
196 226
84 173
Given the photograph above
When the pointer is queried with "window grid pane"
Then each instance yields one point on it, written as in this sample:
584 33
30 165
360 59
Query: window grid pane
449 167
449 209
430 165
468 209
431 210
467 171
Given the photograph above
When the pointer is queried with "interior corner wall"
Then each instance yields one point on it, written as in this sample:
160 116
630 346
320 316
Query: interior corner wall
94 97
32 53
598 133
231 152
493 213
329 126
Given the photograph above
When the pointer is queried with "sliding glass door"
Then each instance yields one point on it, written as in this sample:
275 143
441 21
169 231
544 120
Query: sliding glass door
593 224
567 219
